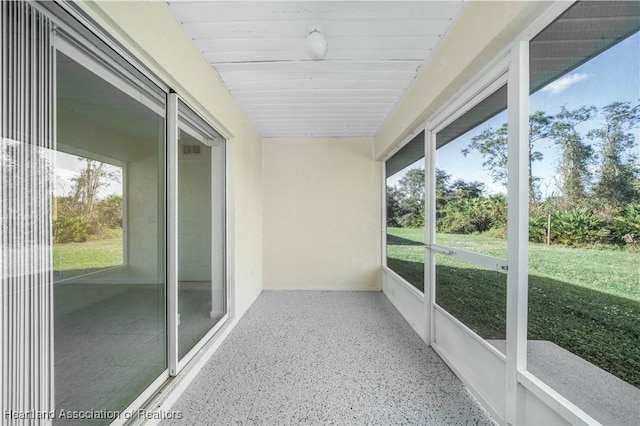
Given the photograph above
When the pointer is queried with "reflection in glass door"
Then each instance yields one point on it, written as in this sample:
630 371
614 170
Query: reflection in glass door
109 289
201 225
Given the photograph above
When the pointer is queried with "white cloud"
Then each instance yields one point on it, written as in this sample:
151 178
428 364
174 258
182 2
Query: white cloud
564 83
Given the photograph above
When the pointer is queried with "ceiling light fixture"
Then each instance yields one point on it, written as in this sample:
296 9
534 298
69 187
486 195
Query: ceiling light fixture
316 42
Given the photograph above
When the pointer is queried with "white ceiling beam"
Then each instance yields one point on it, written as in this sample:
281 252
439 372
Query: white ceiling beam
271 76
311 92
375 51
197 11
266 103
331 28
315 110
321 66
345 55
324 117
318 84
289 44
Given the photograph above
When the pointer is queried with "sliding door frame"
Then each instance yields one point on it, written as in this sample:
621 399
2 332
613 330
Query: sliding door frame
74 24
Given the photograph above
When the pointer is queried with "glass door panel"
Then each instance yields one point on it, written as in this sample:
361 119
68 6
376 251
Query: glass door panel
201 226
108 251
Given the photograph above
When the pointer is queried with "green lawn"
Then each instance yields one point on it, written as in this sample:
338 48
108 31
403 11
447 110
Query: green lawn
73 259
585 300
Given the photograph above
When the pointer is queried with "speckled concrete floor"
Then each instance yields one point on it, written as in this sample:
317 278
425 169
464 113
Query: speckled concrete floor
326 358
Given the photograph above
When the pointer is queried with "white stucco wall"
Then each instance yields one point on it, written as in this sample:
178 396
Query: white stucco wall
149 30
322 214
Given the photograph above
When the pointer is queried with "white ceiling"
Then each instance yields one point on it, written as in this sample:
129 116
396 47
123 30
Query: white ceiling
375 51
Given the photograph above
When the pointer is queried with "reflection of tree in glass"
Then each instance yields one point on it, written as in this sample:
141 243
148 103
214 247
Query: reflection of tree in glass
26 180
81 213
94 176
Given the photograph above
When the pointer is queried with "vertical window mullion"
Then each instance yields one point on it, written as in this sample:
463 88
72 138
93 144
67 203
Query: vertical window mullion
517 227
172 233
430 233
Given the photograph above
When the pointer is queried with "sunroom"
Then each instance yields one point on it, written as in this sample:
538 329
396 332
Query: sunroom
320 212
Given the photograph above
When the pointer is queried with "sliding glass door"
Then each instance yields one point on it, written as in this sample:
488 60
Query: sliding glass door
201 228
95 310
108 233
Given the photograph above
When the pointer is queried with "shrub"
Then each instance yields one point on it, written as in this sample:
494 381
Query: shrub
109 212
469 215
538 229
626 225
578 227
499 232
70 230
412 220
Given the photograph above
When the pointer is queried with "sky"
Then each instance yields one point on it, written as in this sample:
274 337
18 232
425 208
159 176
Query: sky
613 75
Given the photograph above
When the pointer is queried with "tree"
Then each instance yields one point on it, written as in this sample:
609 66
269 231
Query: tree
394 211
442 188
492 145
81 213
412 202
540 125
576 155
25 175
412 183
110 211
618 174
461 189
94 176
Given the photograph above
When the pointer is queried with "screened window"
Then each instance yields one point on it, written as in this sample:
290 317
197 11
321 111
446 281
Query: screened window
584 293
471 217
405 201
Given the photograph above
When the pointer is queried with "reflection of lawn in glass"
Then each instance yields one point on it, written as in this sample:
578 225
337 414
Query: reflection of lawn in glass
585 300
75 259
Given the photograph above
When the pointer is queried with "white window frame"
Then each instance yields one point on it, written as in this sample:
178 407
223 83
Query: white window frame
176 365
517 302
71 39
512 67
494 77
410 287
